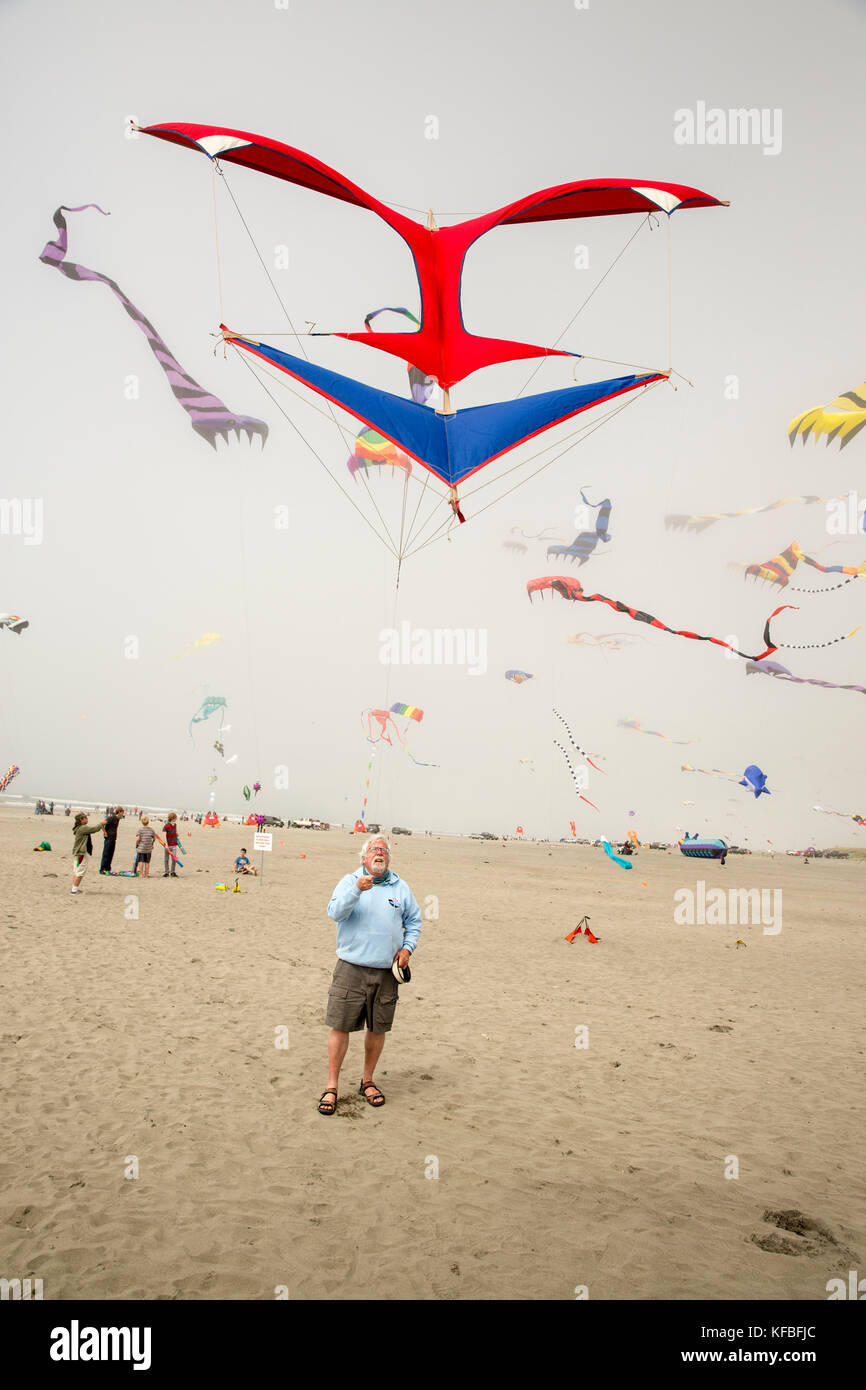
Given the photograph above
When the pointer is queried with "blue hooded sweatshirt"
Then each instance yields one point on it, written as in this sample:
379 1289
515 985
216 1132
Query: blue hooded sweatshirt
374 925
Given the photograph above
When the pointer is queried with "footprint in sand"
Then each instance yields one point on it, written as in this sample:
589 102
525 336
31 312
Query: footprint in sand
23 1217
806 1236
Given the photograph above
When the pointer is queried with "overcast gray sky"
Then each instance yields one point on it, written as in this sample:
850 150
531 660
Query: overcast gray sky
148 533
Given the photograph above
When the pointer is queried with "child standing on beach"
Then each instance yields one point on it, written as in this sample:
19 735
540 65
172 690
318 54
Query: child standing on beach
144 845
81 847
170 852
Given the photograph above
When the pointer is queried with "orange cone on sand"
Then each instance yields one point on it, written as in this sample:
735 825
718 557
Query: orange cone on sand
582 926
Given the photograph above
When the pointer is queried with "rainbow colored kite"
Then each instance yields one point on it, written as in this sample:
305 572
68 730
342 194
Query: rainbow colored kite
372 448
408 712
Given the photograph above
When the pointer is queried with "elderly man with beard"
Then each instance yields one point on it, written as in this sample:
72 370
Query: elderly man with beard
378 926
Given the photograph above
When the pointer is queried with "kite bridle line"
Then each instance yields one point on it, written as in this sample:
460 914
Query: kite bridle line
269 279
670 298
431 223
389 543
413 543
404 547
251 684
398 549
583 356
348 435
214 171
387 540
314 452
581 435
454 502
639 228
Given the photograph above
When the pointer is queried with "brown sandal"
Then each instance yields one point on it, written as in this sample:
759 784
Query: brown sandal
378 1100
327 1107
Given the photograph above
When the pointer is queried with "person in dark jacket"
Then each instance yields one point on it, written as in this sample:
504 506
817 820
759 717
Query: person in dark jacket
112 822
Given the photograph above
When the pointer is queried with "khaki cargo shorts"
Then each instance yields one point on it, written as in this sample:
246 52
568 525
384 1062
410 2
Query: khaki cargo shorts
361 995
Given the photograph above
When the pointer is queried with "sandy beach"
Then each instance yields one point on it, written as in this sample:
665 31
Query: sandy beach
702 1141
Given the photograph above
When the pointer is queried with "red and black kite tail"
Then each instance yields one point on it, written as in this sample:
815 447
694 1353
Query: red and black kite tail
571 589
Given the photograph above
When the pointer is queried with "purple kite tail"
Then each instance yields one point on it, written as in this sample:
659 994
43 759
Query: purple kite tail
774 668
208 415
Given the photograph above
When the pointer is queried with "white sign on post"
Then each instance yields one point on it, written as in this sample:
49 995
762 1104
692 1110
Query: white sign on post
263 840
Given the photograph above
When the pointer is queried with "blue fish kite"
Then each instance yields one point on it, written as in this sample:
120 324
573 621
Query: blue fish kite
623 863
755 780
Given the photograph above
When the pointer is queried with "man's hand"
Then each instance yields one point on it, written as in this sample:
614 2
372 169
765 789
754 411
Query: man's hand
364 883
402 959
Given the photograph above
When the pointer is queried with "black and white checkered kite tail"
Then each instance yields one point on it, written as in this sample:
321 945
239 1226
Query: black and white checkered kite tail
575 745
571 737
564 753
827 589
574 779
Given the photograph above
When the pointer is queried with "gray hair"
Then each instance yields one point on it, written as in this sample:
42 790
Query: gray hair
372 841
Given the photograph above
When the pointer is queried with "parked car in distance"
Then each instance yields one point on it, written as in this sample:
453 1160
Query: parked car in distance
275 820
484 835
373 828
399 830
